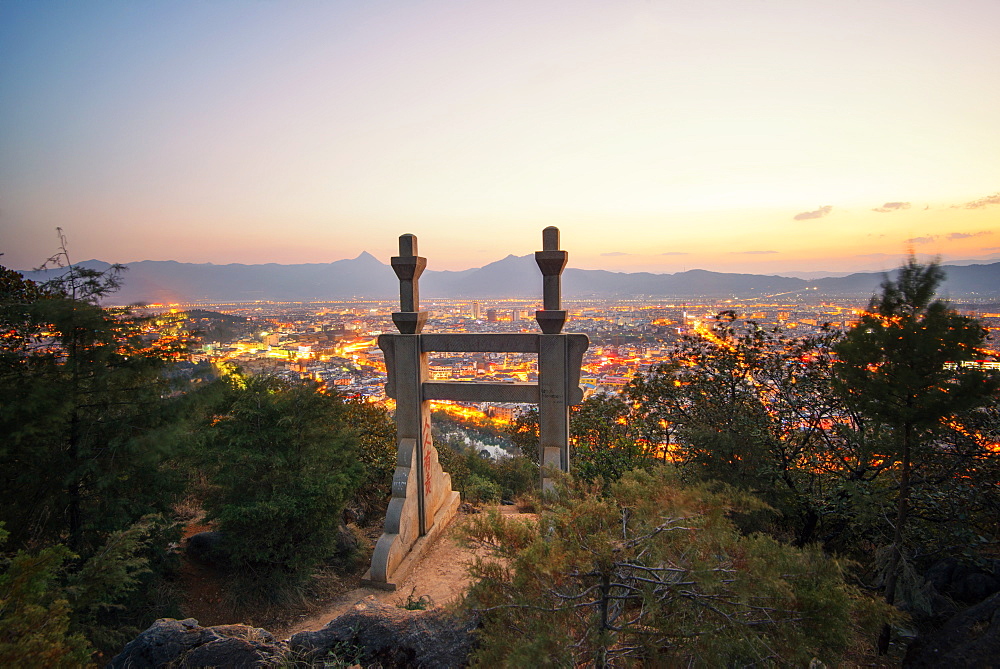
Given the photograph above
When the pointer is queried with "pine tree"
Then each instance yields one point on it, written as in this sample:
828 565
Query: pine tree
653 573
81 407
901 365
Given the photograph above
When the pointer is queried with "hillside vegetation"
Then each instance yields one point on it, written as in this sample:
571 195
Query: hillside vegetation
760 499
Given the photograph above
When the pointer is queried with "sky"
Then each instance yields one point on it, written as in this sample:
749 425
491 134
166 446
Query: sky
766 136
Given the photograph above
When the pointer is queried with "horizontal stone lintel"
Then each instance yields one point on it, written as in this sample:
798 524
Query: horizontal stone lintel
480 343
524 342
472 391
481 392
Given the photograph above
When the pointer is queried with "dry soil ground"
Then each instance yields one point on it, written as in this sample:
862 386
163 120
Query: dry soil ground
439 576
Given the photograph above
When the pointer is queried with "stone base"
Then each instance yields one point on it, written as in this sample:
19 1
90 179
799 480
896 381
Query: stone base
441 520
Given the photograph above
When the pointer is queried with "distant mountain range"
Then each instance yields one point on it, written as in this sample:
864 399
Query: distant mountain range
156 281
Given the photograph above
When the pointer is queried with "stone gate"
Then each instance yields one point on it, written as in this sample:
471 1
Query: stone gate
422 498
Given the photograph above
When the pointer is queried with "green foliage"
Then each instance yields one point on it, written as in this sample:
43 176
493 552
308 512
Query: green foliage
753 408
653 573
473 474
90 438
757 409
893 368
421 603
99 587
605 441
719 405
515 476
479 490
892 364
284 464
82 410
523 432
376 451
34 614
342 655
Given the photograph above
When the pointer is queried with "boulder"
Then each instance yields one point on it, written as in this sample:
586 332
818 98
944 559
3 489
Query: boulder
969 639
347 543
390 636
951 584
231 652
205 547
940 573
184 643
163 642
975 587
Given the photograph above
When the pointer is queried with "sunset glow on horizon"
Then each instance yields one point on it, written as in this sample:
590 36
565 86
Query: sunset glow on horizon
768 137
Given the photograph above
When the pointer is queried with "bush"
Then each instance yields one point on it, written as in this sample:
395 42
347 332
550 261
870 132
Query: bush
34 612
284 466
479 490
654 573
505 478
376 436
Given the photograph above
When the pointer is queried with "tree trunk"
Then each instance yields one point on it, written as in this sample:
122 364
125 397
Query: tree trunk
811 520
601 660
73 489
902 508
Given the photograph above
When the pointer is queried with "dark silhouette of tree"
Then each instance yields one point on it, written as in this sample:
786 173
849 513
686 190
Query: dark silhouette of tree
901 365
82 396
89 430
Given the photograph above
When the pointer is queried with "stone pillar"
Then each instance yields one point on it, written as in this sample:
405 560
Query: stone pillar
413 413
553 407
552 262
553 399
408 267
422 499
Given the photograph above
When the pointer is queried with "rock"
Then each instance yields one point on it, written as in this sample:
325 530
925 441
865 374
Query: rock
969 639
975 587
244 632
393 637
347 543
205 547
940 573
233 652
352 514
163 642
468 508
184 643
963 582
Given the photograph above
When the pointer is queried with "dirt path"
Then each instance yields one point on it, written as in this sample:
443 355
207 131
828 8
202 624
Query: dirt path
440 575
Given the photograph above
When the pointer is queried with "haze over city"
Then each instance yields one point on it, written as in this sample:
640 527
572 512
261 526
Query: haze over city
767 137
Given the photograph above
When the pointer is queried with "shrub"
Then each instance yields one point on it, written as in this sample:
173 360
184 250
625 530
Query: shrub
653 573
479 490
34 612
284 466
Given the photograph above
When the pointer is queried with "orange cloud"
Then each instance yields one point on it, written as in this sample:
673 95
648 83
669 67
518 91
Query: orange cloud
819 213
892 206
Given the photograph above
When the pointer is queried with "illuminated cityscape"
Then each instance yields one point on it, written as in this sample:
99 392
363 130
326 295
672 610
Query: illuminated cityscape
336 343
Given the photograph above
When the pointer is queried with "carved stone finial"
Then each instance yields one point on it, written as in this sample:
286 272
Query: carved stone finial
550 238
551 261
408 267
407 245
